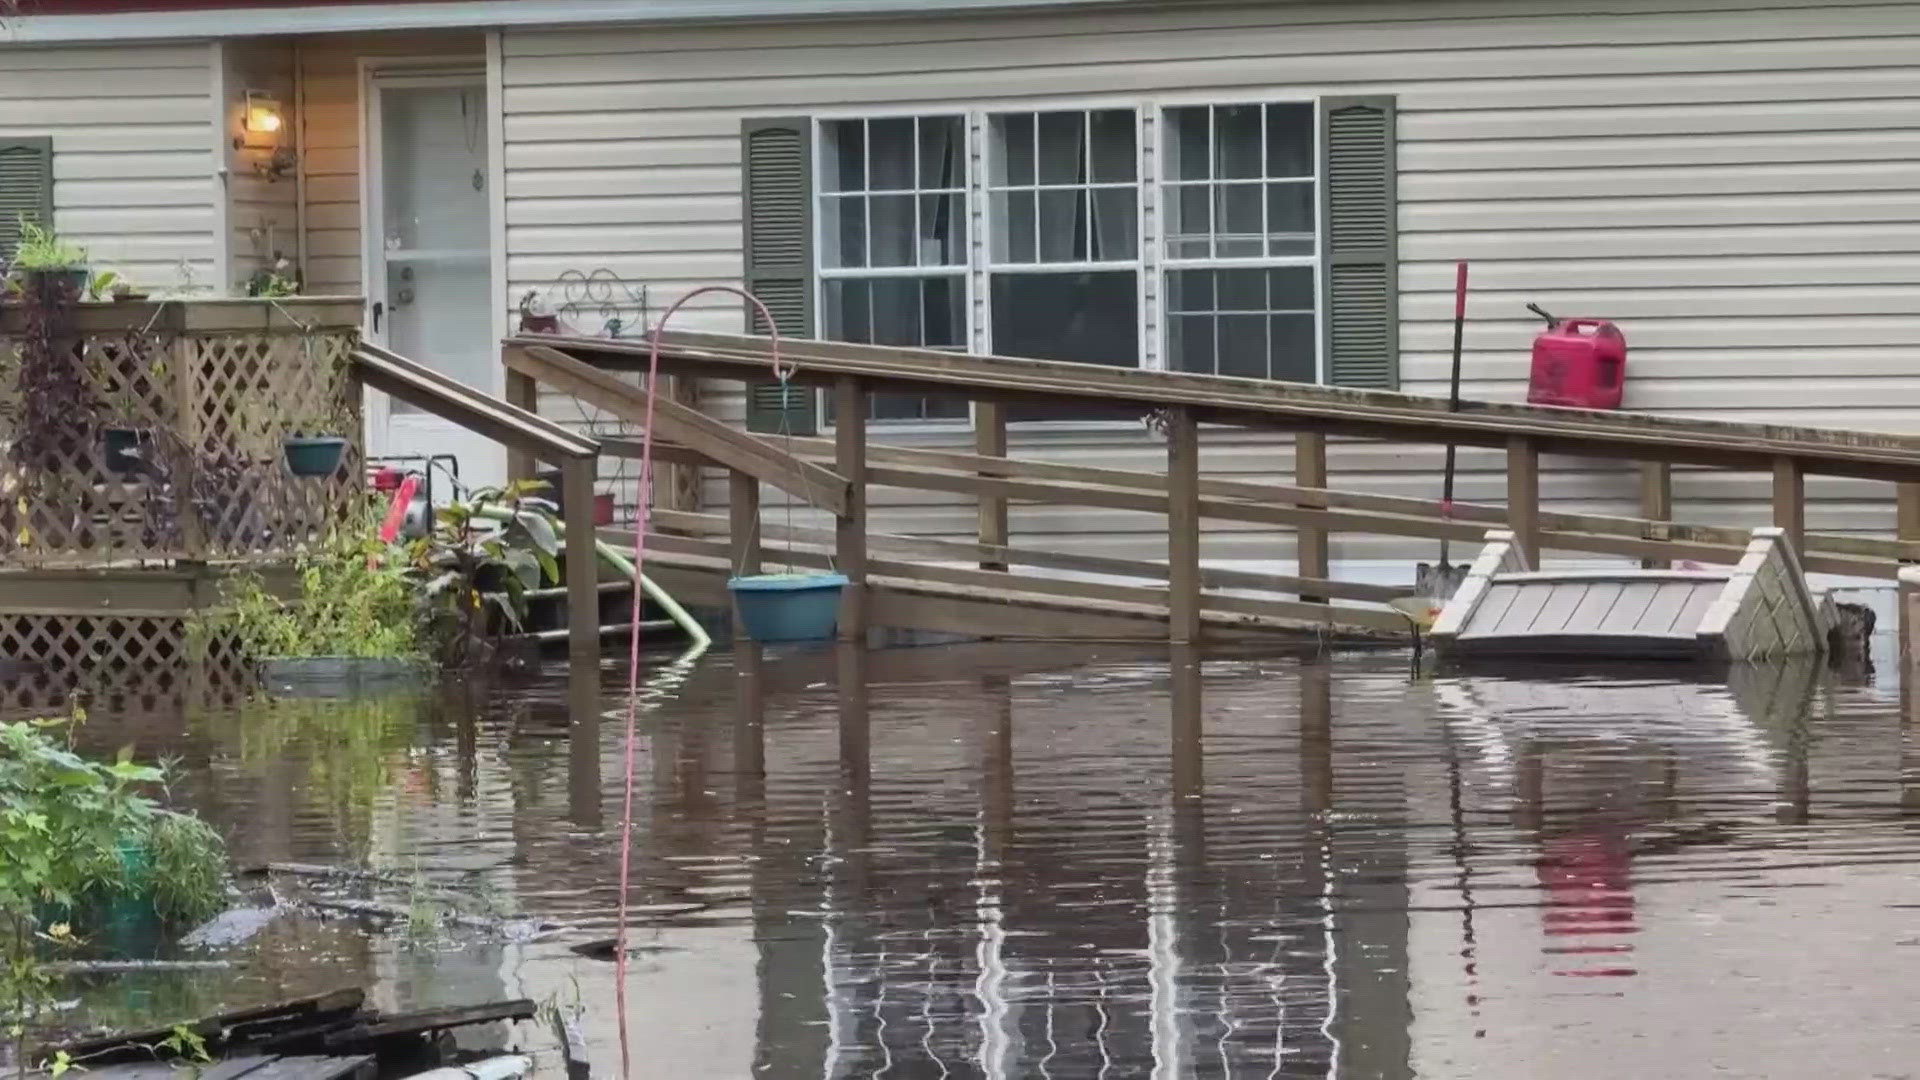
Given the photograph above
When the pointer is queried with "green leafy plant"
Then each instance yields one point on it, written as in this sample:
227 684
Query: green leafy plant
76 834
475 567
273 284
41 249
354 599
101 284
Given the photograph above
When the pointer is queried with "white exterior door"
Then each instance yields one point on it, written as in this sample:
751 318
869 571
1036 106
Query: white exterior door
429 272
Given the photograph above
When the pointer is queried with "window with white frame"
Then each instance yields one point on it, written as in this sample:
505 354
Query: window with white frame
1064 257
1044 251
893 242
1240 240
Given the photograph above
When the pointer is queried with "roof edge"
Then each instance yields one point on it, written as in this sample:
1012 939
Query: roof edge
234 22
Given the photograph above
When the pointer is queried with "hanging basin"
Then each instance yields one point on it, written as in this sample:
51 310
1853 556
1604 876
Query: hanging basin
788 607
315 455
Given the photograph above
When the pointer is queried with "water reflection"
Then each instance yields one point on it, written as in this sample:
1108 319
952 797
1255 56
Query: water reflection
1008 862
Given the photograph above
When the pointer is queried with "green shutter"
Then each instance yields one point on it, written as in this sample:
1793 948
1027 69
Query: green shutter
1359 270
777 184
26 188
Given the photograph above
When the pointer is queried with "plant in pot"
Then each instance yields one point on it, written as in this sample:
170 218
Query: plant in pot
313 447
474 569
47 266
351 617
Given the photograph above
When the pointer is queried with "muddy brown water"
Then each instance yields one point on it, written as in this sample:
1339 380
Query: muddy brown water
979 861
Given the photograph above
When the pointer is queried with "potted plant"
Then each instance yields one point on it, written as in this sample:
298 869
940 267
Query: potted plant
312 449
48 266
350 623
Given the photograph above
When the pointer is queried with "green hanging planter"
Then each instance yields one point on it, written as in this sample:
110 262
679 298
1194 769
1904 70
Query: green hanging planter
315 455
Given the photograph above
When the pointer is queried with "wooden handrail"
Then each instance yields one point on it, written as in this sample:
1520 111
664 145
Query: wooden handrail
1290 406
686 427
422 387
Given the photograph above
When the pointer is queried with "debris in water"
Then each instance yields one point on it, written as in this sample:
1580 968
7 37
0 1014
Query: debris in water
232 927
338 1027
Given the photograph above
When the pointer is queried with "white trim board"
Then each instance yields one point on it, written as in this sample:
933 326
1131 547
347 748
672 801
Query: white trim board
467 14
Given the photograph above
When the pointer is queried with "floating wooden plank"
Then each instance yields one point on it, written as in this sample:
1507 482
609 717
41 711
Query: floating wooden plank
422 1023
223 1029
1758 609
268 1067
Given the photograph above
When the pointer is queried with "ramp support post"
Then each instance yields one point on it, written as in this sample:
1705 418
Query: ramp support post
1183 526
1523 497
1310 541
850 531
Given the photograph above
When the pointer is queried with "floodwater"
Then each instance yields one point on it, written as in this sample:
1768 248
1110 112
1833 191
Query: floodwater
990 861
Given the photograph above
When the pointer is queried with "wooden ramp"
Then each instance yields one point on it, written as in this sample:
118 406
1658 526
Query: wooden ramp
1759 609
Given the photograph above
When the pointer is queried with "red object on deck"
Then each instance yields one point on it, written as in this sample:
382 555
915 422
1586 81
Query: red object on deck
397 513
1580 363
385 478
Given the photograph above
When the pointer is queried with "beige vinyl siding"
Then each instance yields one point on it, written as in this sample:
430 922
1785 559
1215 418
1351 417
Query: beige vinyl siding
330 67
263 215
133 151
1733 183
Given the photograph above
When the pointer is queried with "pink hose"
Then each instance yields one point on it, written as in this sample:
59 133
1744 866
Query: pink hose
644 514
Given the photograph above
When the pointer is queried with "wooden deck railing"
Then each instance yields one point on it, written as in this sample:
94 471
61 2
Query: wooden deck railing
1194 601
168 446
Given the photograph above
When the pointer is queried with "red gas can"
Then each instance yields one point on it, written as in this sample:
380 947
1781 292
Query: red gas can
1581 363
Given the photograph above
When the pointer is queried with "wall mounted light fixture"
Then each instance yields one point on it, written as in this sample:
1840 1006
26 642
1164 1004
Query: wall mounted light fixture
262 116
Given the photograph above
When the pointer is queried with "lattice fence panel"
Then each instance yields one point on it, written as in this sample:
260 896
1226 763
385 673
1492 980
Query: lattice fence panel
251 392
199 684
174 449
137 642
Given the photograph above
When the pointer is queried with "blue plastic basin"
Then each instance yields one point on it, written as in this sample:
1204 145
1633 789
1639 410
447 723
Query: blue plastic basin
788 607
